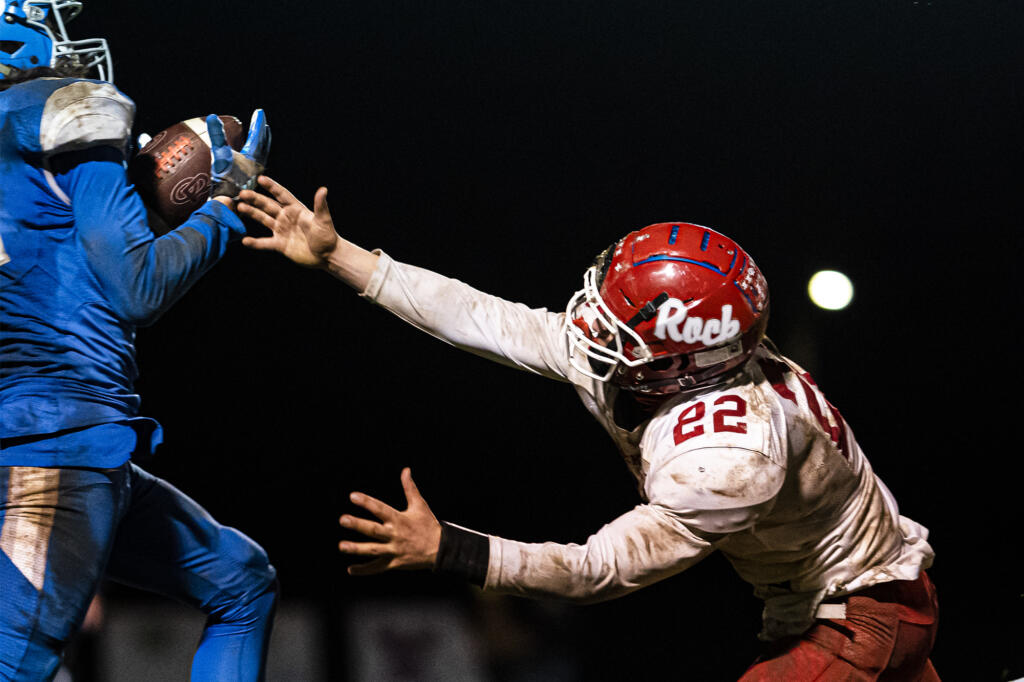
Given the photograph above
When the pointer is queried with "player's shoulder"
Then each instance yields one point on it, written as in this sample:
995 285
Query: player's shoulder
54 115
739 413
703 481
720 448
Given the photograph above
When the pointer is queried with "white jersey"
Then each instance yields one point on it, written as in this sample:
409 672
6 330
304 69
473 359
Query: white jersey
761 468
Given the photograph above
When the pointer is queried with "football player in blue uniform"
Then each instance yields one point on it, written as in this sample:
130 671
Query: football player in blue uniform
79 270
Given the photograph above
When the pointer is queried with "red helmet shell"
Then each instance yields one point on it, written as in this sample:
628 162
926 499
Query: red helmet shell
684 289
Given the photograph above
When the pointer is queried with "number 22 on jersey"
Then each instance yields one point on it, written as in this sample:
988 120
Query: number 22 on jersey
727 413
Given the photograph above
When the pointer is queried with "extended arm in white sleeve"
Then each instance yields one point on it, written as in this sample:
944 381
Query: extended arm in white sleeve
456 313
697 498
645 545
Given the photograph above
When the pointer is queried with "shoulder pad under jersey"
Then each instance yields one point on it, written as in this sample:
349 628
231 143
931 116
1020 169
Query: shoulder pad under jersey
54 115
85 114
718 490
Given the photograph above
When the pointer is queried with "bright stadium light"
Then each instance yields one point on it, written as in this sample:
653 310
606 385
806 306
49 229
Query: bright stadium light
830 290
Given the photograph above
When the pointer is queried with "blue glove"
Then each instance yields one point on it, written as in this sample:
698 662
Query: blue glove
232 171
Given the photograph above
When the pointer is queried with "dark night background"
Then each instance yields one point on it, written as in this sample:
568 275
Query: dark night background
505 143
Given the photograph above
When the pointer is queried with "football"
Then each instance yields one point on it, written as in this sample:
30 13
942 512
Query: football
172 171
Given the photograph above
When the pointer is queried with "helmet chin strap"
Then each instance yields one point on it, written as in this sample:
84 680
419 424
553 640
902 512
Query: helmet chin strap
679 383
686 381
668 386
655 388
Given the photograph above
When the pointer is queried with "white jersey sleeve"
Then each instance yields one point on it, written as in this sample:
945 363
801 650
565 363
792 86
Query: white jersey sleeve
645 545
85 114
454 312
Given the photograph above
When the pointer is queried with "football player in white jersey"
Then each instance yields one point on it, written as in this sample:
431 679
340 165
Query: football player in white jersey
734 447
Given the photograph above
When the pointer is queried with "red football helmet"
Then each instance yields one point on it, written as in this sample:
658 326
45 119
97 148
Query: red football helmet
667 307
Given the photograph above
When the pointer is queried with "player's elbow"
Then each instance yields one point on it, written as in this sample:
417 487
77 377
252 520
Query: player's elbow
577 574
594 597
146 319
136 311
596 579
597 592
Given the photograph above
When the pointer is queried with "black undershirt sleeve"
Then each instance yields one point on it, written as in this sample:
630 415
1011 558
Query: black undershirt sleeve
463 553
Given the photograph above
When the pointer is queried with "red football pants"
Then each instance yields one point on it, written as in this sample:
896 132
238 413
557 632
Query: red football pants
887 635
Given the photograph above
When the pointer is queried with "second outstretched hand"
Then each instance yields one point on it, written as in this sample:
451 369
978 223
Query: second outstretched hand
305 237
400 539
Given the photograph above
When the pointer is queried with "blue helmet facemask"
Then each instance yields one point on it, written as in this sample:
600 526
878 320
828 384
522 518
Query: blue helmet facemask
33 33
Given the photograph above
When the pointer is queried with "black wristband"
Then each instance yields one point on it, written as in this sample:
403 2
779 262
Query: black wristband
463 553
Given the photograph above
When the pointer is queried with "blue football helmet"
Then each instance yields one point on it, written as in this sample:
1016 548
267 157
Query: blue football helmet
33 33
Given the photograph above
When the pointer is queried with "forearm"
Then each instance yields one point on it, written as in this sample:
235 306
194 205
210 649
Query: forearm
352 264
143 278
160 272
452 311
637 549
140 276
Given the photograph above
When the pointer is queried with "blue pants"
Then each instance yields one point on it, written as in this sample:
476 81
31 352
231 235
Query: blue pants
63 530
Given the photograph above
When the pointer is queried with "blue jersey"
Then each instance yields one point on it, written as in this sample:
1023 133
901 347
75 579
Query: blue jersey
79 267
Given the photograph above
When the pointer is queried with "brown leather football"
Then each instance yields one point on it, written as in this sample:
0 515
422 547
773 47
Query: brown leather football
172 172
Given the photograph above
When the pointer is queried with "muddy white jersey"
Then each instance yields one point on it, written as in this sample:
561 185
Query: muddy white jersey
761 468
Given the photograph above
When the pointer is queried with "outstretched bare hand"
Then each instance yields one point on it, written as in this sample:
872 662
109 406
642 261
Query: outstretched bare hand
402 539
303 236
